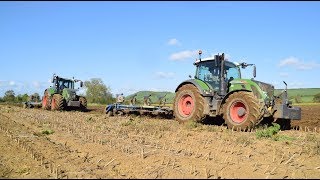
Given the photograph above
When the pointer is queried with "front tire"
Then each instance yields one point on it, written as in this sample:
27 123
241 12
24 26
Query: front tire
57 103
242 110
189 104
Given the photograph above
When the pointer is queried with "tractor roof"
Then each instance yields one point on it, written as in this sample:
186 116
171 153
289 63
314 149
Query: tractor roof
65 78
211 59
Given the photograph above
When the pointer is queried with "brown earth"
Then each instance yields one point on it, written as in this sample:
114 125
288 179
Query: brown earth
71 144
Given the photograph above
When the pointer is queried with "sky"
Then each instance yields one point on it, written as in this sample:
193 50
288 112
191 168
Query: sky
139 45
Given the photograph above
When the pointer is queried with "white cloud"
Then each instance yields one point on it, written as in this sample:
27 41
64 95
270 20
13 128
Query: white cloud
284 74
173 42
289 61
2 83
12 83
164 75
298 64
126 90
36 84
295 84
183 55
307 66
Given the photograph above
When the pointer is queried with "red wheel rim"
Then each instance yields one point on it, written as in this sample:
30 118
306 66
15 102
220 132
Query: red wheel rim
44 101
186 105
238 112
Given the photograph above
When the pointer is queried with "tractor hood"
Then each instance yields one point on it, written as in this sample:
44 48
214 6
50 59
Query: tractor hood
260 89
69 94
268 88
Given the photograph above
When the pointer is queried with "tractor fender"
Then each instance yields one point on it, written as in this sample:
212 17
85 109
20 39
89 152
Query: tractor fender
226 97
193 82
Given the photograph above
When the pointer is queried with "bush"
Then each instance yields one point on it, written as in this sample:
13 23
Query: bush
298 98
316 98
269 132
47 132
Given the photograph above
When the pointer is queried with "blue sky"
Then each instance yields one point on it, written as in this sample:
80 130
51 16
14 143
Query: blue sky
135 46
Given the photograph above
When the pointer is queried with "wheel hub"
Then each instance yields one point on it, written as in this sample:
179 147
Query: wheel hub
241 111
238 112
186 104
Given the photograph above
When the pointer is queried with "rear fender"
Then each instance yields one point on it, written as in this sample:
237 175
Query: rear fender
203 87
50 92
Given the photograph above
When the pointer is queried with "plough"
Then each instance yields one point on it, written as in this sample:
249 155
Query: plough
31 104
146 109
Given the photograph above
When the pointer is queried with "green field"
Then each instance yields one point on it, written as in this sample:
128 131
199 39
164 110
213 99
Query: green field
306 95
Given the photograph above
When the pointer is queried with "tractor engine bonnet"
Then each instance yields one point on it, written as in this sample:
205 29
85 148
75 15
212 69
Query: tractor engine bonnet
69 94
268 88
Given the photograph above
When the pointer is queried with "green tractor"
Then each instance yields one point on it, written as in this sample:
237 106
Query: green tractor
218 90
63 95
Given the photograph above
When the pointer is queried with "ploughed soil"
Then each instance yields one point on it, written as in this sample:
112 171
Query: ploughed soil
35 143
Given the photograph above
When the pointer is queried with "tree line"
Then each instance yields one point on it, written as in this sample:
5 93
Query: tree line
96 92
10 96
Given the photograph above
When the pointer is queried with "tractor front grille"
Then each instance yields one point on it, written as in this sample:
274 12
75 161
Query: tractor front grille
73 95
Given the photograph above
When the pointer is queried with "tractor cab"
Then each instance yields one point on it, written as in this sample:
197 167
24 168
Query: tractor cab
62 83
218 72
209 71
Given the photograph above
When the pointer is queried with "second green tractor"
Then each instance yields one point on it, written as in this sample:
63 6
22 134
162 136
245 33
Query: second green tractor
62 95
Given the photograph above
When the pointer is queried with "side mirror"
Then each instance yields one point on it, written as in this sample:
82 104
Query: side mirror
81 83
254 71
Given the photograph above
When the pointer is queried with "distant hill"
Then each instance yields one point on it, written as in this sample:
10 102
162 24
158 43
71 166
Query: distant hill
305 95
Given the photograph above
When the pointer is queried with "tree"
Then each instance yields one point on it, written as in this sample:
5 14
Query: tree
316 98
22 98
25 97
9 96
97 91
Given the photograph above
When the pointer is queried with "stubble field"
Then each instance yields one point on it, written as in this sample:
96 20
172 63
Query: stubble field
42 144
